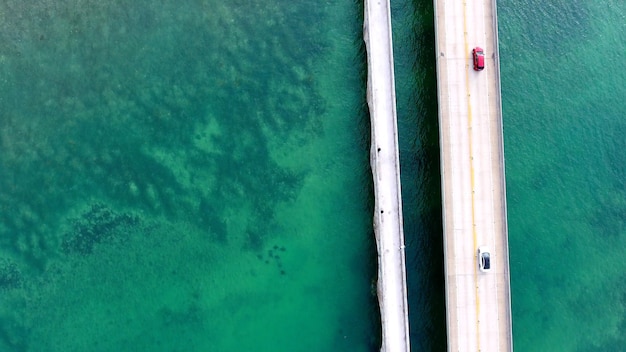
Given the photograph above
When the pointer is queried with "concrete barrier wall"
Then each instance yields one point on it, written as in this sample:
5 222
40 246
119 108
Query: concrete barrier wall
505 230
384 160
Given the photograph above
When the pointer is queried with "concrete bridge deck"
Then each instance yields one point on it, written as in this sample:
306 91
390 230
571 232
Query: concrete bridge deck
384 160
472 171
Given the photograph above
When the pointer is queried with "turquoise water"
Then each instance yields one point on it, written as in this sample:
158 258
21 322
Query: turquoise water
416 99
184 177
195 177
563 90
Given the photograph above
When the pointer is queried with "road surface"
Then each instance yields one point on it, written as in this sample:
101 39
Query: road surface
472 165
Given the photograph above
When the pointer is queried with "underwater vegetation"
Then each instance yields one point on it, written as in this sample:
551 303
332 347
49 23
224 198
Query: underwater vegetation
130 130
120 110
10 276
97 225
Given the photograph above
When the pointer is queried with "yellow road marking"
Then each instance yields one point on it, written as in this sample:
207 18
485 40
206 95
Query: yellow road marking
472 180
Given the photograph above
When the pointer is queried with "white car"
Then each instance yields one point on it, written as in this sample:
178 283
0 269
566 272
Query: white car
484 259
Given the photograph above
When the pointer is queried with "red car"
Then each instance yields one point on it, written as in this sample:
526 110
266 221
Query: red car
479 59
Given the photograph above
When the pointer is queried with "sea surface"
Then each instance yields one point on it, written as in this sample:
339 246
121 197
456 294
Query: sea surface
185 176
194 176
416 101
564 109
563 75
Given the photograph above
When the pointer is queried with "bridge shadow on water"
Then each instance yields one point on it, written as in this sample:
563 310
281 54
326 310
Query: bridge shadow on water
416 99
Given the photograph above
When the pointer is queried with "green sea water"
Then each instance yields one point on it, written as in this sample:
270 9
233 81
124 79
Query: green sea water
185 176
563 90
194 176
418 135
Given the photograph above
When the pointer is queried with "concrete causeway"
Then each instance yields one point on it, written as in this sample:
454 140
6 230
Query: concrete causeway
384 160
472 173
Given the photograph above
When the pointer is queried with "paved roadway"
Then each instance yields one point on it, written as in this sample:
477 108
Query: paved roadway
386 171
478 304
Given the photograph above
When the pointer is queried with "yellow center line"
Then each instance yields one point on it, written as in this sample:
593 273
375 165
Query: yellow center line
471 162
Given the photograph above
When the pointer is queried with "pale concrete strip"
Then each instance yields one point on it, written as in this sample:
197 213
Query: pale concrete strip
472 171
384 160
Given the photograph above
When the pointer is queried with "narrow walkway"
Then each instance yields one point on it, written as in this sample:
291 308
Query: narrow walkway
385 164
472 170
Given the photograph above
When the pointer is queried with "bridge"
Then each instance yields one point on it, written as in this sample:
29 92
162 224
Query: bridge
478 304
384 160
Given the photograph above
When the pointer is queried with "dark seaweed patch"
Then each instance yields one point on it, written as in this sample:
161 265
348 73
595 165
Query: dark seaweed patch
10 276
97 225
192 315
107 121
